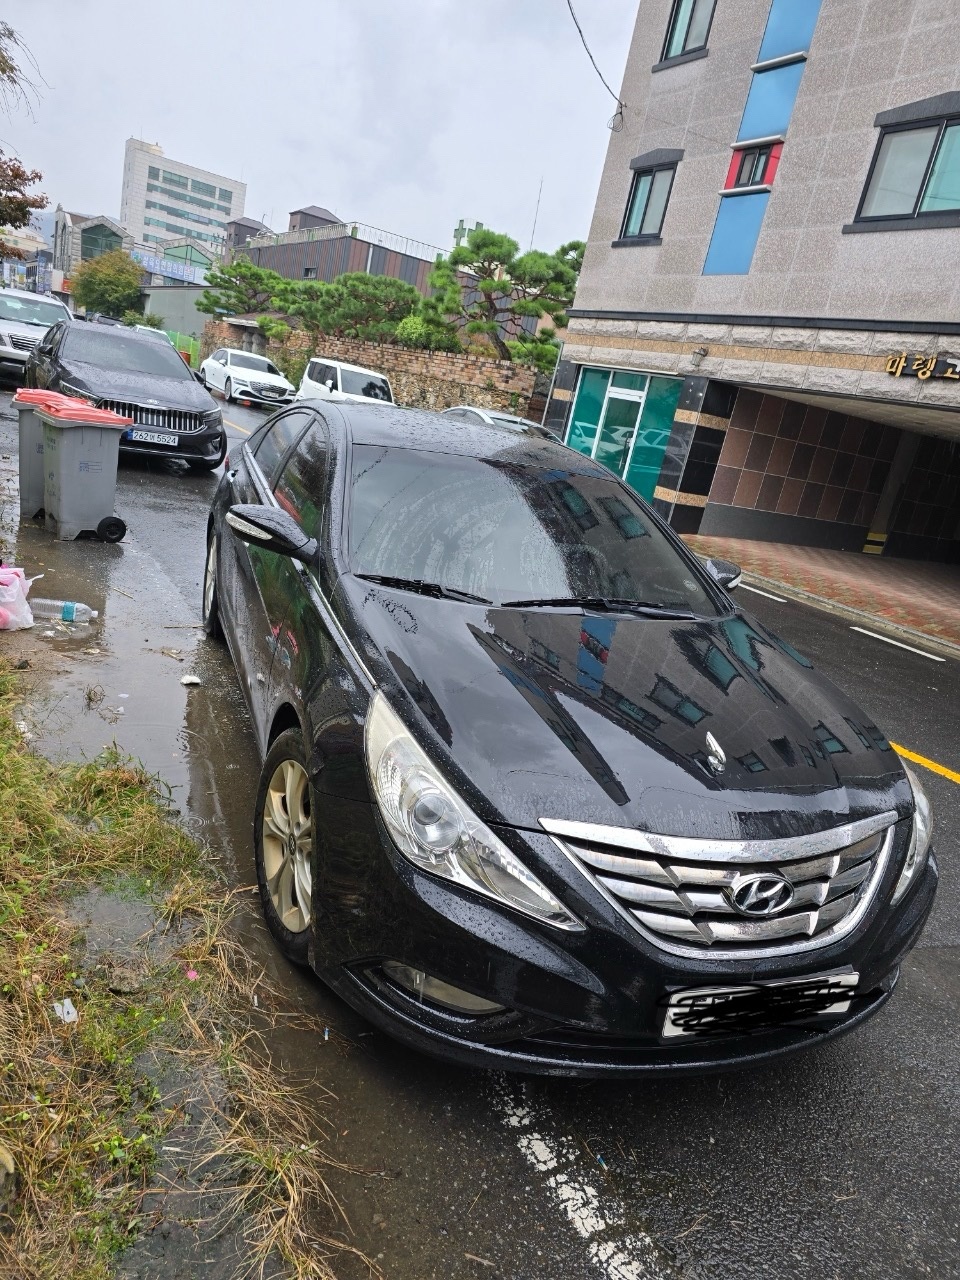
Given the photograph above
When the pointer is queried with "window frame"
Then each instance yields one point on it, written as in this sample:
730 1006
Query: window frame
648 237
932 217
696 51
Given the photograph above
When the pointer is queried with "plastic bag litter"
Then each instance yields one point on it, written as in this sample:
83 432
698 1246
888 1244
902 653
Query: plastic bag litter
14 611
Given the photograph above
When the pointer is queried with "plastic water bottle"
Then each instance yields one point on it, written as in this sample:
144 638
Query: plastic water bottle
65 610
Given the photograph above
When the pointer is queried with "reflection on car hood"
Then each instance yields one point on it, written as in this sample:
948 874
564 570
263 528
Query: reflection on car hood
589 718
138 388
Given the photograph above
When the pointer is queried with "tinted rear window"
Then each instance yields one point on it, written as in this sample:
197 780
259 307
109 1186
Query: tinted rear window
353 383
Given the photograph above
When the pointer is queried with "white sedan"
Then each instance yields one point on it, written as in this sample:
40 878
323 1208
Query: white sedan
240 375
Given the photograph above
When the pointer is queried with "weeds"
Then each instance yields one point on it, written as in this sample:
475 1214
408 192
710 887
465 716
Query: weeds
85 1106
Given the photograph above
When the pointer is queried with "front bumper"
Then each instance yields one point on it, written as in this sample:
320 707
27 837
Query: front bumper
196 446
588 1004
13 361
255 397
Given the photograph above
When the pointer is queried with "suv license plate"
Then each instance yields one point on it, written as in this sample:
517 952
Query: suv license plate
153 437
713 1011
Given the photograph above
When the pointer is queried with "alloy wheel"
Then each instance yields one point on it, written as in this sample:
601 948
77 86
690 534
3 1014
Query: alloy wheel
287 842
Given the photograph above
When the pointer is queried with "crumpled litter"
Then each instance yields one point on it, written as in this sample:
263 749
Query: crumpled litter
15 613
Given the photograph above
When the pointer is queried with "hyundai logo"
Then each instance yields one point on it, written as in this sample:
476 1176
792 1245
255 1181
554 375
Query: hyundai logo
765 894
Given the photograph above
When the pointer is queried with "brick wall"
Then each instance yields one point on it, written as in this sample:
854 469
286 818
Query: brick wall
420 379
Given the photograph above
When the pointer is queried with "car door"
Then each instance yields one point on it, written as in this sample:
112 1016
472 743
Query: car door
304 647
251 581
217 375
41 359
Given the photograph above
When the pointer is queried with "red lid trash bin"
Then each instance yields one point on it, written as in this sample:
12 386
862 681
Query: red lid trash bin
80 449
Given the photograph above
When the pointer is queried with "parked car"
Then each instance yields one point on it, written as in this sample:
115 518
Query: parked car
147 331
24 319
333 380
494 418
240 375
142 379
536 793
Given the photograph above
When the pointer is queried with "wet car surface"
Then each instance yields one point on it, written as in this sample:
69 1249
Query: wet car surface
837 1163
596 885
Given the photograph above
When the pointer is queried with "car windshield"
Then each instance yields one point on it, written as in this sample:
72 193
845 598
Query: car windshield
127 354
258 363
31 310
508 532
355 383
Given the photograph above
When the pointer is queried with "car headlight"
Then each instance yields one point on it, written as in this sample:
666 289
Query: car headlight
213 418
919 836
69 390
437 831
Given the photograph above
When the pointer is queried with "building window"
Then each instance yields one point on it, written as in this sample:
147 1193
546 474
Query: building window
689 27
203 188
754 166
735 234
153 172
309 273
175 179
915 172
770 101
790 28
225 195
647 205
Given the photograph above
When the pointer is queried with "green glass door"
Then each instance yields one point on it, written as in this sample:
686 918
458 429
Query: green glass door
616 433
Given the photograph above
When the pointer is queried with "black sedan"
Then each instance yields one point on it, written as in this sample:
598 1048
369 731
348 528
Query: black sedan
148 381
536 794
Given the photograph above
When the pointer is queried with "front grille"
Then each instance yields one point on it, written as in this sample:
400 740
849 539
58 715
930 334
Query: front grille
265 389
153 418
679 892
22 343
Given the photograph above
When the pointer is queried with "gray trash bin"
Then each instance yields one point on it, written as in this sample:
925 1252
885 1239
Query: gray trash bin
80 449
31 462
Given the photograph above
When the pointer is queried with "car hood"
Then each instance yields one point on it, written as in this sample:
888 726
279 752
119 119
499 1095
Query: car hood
22 329
138 388
266 379
599 718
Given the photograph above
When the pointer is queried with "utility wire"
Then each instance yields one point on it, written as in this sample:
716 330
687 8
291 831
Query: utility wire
616 123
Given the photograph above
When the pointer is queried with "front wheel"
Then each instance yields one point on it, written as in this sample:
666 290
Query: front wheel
211 600
283 845
228 391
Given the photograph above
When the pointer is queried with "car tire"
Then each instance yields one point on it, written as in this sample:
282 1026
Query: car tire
203 380
283 845
228 391
210 602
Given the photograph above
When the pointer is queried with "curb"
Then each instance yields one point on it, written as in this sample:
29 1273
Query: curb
877 621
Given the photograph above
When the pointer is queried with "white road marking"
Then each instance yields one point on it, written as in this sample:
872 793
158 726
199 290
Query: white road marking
599 1223
886 640
757 592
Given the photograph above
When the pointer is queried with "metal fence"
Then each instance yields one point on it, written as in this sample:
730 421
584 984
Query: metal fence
357 231
187 345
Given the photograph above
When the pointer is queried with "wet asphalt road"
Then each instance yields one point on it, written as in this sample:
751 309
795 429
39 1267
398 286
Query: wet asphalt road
841 1162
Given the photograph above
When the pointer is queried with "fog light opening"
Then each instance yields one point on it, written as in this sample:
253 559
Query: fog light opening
424 987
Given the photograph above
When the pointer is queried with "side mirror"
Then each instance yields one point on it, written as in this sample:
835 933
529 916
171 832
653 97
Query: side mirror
198 375
272 529
329 384
725 573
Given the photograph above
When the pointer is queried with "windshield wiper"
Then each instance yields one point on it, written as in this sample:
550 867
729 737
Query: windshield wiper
606 604
422 588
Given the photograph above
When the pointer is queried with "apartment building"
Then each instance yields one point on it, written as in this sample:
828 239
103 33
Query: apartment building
765 340
163 199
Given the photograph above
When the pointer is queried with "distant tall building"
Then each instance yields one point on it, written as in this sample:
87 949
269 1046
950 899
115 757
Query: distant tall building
165 199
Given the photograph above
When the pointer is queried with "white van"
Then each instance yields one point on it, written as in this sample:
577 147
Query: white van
333 380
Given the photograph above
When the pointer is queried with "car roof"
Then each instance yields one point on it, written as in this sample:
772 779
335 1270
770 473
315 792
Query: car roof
342 364
239 351
27 293
388 425
103 332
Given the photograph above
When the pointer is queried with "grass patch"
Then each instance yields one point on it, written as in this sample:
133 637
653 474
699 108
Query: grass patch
86 1106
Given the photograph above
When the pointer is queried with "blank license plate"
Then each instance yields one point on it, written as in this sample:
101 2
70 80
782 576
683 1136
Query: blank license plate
714 1011
153 437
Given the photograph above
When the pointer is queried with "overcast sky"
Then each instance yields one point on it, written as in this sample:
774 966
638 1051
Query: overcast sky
405 114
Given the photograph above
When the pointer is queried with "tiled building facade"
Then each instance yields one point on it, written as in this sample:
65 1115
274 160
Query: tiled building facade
766 336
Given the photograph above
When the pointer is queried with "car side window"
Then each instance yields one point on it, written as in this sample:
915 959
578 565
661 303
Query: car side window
302 484
321 373
273 445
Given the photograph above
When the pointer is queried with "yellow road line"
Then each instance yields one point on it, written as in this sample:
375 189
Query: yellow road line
236 426
927 764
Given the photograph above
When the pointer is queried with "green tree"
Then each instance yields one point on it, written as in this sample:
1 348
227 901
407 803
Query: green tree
240 288
541 349
488 286
148 318
434 334
109 284
17 205
355 305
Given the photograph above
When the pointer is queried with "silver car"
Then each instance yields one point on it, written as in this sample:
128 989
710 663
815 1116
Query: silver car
24 319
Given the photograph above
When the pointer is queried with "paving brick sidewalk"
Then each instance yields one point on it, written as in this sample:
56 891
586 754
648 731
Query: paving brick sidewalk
913 594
